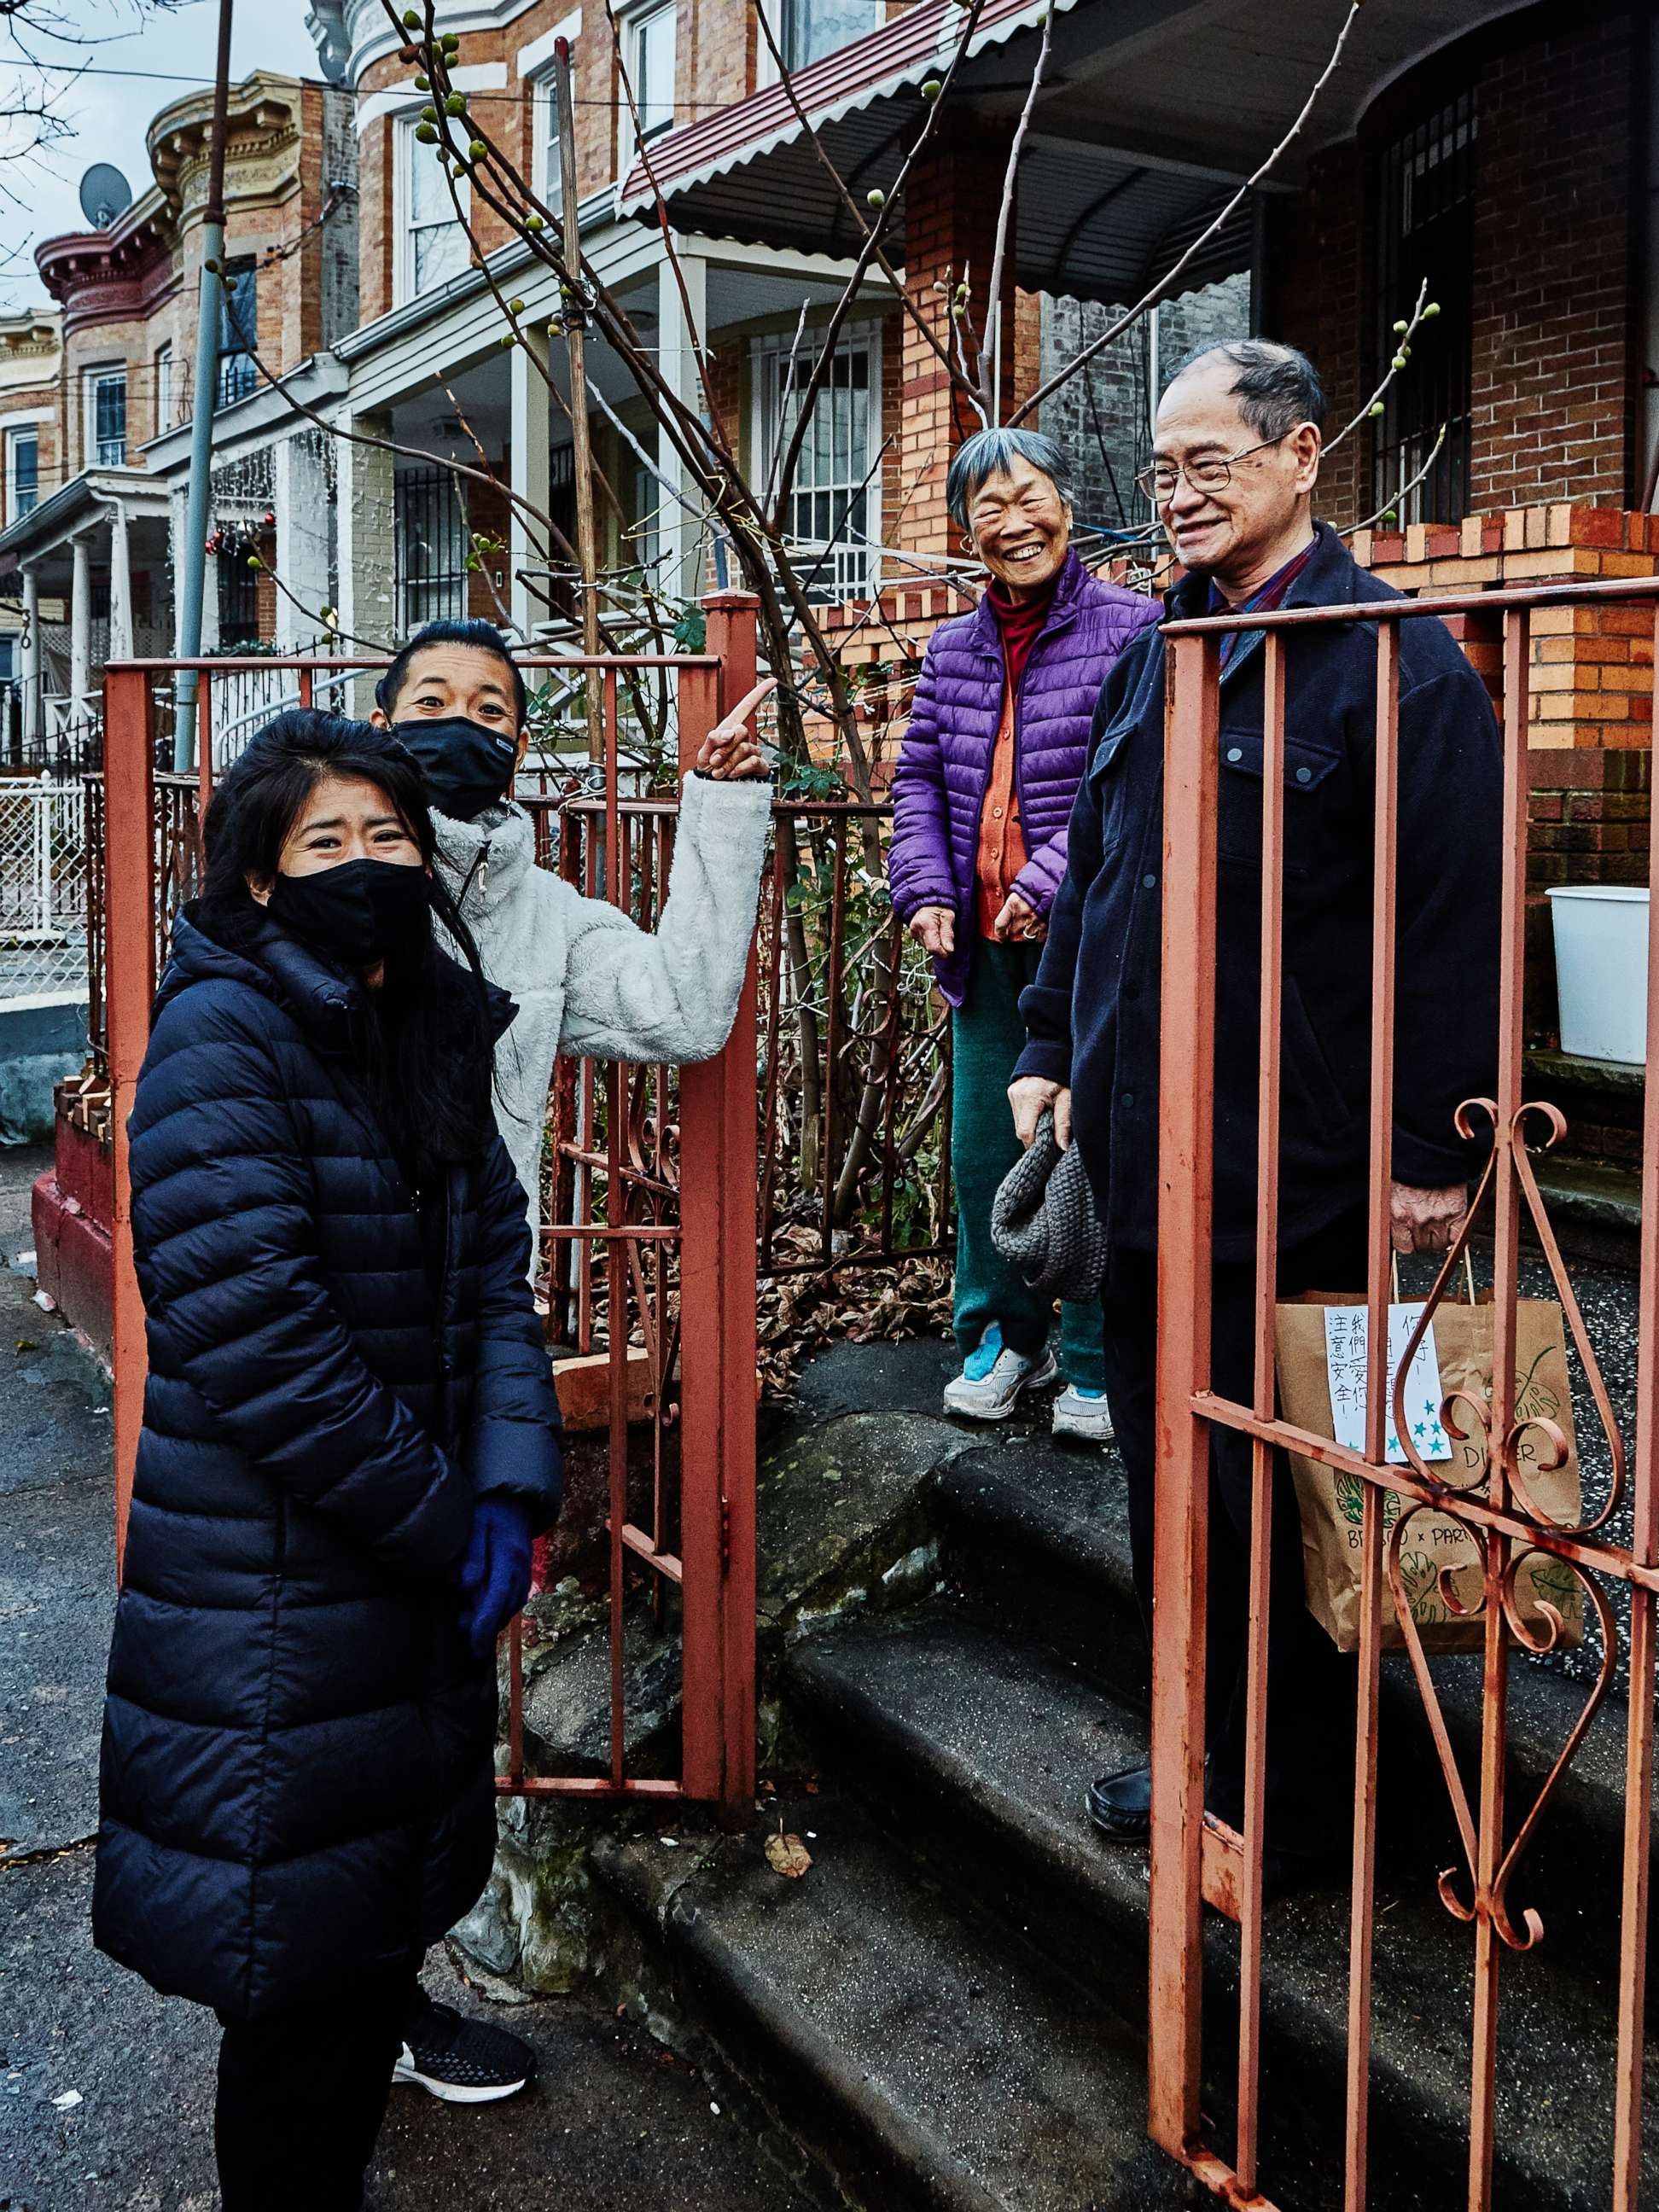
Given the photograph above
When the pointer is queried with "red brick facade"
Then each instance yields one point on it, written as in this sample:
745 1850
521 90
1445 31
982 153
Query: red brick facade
1554 376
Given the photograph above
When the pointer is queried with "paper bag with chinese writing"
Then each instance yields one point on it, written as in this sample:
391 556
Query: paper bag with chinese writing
1320 1356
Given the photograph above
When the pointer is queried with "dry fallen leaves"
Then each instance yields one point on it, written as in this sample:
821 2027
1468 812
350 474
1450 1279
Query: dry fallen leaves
798 1314
788 1855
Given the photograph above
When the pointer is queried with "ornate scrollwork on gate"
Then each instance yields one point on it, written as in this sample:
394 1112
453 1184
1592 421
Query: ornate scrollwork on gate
1502 1554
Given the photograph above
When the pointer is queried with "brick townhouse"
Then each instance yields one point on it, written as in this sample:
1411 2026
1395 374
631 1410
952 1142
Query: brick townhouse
93 484
31 362
1499 155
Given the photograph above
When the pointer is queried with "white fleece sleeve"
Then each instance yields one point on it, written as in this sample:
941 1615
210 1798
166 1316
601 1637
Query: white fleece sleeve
672 994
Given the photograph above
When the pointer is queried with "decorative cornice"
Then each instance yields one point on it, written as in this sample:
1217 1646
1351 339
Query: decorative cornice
369 38
111 275
34 334
264 126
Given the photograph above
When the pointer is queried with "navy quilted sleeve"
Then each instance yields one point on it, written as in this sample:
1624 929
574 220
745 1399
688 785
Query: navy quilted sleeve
919 858
513 1436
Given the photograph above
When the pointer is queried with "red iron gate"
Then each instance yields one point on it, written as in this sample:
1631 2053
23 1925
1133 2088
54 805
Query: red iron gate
151 828
1193 1858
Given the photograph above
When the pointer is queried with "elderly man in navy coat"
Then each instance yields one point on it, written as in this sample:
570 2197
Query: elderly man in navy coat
1235 460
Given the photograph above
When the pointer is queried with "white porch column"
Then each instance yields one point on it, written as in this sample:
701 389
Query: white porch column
120 585
530 440
178 523
368 568
301 497
79 623
680 527
35 661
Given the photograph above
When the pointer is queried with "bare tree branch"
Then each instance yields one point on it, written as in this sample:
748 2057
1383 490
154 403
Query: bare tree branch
990 386
1165 283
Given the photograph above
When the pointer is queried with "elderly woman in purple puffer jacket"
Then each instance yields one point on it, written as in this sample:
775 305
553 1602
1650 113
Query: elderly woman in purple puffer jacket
998 741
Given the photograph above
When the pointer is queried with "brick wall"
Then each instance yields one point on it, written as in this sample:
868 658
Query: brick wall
950 223
1552 383
1554 365
1590 687
1315 296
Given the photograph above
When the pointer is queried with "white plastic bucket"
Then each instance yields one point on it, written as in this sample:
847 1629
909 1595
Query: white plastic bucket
1600 970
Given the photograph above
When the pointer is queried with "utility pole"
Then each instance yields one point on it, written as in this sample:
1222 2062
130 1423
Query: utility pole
192 567
575 317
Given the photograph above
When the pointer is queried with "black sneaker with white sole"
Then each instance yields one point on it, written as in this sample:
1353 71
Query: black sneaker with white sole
464 2062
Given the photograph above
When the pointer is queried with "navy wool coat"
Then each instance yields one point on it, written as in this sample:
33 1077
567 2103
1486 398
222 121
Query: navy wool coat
1092 1017
298 1745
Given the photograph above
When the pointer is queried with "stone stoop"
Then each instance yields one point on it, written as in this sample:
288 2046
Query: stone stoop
946 2009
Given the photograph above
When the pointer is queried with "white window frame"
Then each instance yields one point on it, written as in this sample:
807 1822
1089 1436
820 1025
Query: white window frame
163 369
778 15
634 24
15 431
769 356
90 380
544 139
406 148
536 66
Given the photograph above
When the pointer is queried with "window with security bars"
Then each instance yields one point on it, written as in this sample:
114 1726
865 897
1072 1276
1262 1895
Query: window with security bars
238 600
239 331
431 548
1425 207
812 28
834 511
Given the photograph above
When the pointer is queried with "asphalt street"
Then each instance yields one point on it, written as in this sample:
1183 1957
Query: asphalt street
106 2089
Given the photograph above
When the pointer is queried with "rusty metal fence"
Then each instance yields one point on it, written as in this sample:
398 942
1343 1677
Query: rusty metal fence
1196 1860
674 1255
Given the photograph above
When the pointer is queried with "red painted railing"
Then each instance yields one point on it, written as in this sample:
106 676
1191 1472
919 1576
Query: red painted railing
1612 1544
149 860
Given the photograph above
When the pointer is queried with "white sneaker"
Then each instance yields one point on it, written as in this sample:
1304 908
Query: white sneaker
993 1396
1083 1414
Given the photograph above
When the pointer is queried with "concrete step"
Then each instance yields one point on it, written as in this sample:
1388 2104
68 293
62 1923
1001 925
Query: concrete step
974 1748
1594 1208
934 2062
1039 1535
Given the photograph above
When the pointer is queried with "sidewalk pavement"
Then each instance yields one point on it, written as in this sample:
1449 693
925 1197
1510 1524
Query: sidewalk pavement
106 2089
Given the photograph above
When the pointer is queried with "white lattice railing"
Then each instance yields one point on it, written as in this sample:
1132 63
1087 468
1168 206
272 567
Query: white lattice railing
43 888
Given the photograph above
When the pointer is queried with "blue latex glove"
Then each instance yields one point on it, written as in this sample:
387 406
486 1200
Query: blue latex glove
495 1574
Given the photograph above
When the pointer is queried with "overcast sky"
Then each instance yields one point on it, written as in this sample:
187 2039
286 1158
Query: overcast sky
135 67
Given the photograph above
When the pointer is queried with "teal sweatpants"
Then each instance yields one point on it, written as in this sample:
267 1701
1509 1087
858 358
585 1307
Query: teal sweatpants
987 1036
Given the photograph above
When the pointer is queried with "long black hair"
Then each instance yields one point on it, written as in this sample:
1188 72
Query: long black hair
424 1041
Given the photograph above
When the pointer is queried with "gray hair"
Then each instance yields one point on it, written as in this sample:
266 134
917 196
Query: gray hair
991 454
1276 388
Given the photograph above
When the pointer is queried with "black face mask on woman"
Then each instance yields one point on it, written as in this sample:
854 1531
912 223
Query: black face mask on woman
358 912
465 766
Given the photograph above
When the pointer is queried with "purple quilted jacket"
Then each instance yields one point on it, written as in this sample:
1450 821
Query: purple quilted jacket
944 764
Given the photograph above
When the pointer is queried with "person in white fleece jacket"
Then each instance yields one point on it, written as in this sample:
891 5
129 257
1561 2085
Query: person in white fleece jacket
586 980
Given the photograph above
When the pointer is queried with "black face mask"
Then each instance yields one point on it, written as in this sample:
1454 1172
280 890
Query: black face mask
465 766
358 912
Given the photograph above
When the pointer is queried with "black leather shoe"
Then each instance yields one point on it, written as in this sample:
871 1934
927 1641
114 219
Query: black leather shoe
1120 1805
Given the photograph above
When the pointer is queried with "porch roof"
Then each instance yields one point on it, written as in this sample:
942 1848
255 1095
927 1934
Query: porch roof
85 500
1151 113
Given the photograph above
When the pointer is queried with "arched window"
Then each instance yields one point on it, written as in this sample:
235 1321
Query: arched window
1423 181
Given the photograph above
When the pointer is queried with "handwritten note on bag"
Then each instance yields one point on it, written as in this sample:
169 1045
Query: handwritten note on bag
1347 1342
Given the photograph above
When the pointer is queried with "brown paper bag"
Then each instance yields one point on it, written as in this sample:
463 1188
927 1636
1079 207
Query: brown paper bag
1331 1502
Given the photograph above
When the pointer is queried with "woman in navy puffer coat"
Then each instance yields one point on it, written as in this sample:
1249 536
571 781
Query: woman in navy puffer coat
349 1437
990 766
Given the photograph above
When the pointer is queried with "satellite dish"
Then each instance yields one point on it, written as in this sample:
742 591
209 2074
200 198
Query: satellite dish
104 194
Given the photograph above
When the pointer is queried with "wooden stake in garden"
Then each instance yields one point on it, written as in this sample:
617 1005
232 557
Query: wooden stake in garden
574 318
